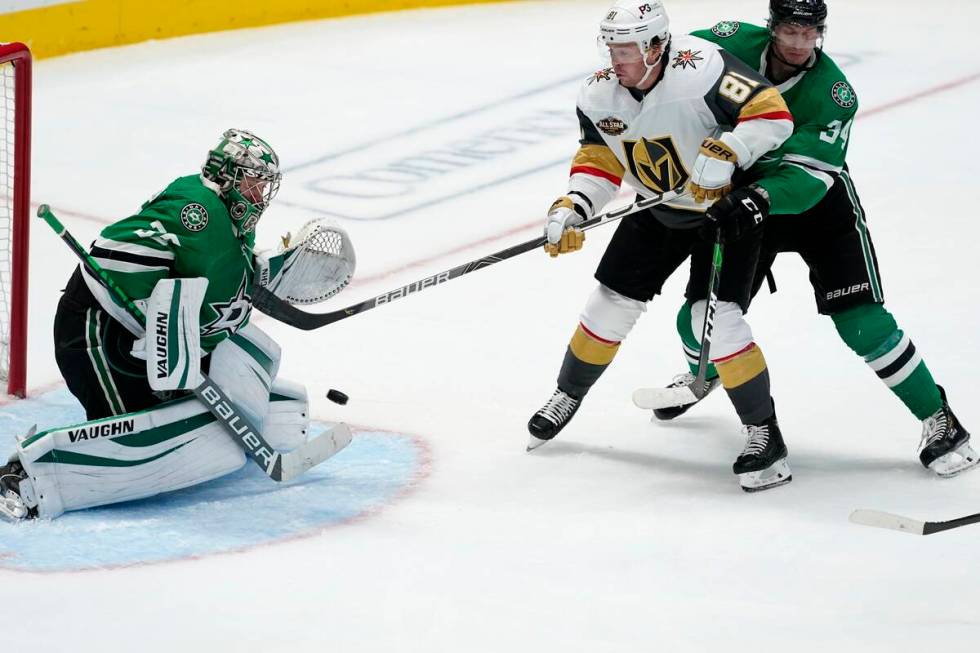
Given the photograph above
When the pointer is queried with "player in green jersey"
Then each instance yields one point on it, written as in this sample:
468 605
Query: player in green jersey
814 210
187 257
201 225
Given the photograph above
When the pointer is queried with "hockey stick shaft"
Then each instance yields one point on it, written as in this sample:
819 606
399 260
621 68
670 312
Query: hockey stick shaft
937 526
242 429
285 312
669 397
709 318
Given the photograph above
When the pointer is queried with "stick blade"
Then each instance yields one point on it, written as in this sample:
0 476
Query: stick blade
657 398
880 519
315 451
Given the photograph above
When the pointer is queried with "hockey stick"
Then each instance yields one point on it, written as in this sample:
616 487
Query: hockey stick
897 522
285 312
278 466
657 398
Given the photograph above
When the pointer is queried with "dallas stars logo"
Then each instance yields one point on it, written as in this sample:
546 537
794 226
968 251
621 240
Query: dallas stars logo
725 28
687 58
843 95
194 216
231 314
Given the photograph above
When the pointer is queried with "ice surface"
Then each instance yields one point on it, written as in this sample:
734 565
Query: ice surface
621 535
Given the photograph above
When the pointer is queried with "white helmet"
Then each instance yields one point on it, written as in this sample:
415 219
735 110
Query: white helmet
633 22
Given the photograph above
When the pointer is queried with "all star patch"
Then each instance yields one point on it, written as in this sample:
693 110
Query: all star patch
687 58
725 28
600 76
194 216
843 94
611 126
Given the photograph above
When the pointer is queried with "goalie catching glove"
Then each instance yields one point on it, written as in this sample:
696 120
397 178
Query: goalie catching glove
560 229
312 267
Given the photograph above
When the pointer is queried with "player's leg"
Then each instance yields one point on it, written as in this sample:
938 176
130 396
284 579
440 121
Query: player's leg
93 354
689 325
739 361
168 447
640 257
847 284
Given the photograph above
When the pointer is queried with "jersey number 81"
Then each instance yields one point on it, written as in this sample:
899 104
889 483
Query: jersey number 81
736 88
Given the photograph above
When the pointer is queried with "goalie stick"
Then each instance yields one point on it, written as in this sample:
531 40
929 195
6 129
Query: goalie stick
273 306
881 519
277 465
657 398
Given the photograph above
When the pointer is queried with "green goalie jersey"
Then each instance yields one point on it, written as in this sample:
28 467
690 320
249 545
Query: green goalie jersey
823 104
184 231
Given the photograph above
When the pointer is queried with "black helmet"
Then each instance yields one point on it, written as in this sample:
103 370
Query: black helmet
801 12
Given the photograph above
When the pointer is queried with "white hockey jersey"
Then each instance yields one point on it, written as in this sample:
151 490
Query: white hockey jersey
651 142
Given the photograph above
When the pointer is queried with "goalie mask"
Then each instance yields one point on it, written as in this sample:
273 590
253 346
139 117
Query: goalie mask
246 170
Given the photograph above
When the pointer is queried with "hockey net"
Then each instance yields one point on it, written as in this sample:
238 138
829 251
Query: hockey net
15 157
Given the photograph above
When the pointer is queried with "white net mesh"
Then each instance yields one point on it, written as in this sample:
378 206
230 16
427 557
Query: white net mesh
7 168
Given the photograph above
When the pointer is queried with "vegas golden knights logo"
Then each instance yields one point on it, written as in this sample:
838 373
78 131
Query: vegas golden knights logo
656 163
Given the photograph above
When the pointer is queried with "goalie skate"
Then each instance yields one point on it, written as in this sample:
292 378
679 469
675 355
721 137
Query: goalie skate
17 500
762 464
945 446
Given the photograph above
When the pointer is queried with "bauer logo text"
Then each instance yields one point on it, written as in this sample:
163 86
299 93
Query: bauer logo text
851 290
404 291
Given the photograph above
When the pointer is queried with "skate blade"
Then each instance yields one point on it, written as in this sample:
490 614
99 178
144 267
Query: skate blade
773 476
956 462
533 443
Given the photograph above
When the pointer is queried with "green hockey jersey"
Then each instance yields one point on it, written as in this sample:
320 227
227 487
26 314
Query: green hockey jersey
184 231
823 104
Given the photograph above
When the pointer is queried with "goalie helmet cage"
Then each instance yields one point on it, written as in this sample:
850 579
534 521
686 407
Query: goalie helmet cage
15 184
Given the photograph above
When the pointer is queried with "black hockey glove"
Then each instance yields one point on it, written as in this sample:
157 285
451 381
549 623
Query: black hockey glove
736 214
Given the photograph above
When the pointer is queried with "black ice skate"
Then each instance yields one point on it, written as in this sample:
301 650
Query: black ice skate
945 446
17 500
681 381
762 464
551 418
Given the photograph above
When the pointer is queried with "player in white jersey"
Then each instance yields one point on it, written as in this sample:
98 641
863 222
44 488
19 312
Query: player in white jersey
669 112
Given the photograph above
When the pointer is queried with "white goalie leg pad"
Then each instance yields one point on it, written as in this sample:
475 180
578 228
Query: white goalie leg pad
609 315
731 332
312 267
288 420
173 334
137 455
244 366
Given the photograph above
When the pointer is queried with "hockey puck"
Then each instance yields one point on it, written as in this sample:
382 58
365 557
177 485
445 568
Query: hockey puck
337 397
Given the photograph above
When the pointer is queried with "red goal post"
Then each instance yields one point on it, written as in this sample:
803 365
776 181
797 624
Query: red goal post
15 192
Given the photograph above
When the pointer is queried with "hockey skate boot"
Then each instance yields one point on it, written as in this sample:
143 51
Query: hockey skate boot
945 446
17 500
681 381
762 464
551 418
